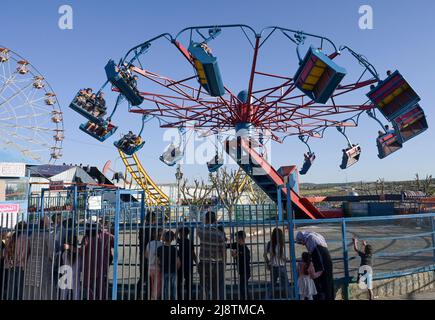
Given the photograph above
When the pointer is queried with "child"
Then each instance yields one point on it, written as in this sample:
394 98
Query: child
169 263
275 257
187 257
241 252
71 259
154 269
366 265
306 275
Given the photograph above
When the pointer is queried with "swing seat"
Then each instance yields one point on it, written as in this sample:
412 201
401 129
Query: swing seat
171 156
82 111
351 156
387 144
214 164
119 82
307 164
207 69
410 124
318 76
393 96
96 134
129 150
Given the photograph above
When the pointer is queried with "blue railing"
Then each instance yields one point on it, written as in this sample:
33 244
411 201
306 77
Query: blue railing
126 219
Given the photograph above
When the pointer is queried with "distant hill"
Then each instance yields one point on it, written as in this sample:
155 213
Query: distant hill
425 184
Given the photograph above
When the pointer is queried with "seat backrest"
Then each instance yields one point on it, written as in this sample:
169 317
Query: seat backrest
393 96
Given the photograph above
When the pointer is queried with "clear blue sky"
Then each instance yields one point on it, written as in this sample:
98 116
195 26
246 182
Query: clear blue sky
402 38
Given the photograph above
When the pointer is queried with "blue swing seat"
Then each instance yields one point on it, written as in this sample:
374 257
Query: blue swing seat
111 130
393 96
171 156
410 124
350 156
207 69
119 82
387 144
73 105
307 164
129 151
318 76
214 164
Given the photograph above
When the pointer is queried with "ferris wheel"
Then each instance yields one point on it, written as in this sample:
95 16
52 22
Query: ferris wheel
31 121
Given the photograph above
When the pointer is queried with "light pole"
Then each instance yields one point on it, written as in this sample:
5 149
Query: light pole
178 176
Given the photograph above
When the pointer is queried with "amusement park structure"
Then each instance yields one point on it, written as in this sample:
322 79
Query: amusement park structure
31 121
305 102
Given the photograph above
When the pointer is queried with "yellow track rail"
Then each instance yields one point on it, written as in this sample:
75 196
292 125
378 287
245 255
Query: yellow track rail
241 180
154 195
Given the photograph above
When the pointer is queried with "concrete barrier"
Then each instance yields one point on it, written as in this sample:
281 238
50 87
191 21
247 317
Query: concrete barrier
393 287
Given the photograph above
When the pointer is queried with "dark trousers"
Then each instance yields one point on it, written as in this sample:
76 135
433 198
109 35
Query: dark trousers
212 280
325 283
185 283
244 293
13 284
142 284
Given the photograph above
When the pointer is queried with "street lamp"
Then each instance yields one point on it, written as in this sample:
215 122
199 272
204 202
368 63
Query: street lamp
178 176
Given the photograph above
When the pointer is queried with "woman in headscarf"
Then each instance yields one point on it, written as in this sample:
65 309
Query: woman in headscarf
316 245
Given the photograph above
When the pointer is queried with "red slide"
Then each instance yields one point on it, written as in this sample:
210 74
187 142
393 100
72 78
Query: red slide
266 177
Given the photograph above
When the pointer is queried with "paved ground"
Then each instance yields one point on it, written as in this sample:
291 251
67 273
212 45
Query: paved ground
416 296
392 254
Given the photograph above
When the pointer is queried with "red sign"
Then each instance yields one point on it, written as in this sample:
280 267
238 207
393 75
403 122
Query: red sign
56 185
9 208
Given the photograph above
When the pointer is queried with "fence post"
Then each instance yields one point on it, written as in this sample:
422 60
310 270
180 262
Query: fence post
75 203
291 228
42 204
345 259
279 200
433 235
142 209
115 247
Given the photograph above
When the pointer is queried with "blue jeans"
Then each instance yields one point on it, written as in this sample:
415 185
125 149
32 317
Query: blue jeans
169 286
283 286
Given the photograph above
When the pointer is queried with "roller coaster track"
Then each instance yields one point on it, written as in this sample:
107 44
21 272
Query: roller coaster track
243 180
154 195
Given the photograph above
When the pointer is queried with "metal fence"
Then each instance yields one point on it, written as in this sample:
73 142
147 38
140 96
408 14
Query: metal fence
108 245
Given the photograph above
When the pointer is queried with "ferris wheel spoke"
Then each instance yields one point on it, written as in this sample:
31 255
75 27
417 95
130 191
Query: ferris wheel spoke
23 150
40 141
8 82
26 116
26 122
33 128
14 95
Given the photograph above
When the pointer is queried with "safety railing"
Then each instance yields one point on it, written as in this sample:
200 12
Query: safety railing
108 245
401 244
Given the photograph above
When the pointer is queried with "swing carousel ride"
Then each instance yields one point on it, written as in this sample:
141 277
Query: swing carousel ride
304 97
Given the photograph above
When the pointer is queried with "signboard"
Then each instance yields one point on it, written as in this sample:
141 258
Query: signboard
11 213
56 186
9 208
12 170
95 203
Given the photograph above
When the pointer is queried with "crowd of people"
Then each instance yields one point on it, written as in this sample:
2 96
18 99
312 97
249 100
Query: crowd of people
100 129
50 261
131 79
129 141
94 103
168 273
47 262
